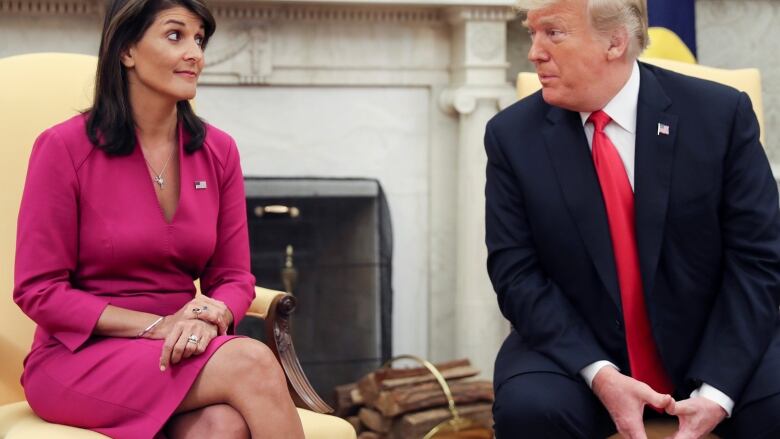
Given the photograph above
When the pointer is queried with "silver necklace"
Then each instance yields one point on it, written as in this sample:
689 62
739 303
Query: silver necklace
158 177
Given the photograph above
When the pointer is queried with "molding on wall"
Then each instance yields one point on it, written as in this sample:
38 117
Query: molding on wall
363 11
319 13
480 13
463 100
50 7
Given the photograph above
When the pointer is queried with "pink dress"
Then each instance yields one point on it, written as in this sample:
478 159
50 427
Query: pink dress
91 233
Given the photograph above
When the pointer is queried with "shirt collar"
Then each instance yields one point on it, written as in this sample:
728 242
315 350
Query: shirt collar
622 107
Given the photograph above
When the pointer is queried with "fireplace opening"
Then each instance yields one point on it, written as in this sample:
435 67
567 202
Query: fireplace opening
329 242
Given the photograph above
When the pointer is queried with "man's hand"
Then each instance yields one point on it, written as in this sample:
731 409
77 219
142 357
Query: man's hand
625 399
698 416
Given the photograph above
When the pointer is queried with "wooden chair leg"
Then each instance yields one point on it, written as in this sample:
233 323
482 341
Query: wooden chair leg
277 330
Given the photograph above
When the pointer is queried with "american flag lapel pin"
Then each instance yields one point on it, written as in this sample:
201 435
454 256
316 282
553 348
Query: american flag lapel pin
663 129
200 184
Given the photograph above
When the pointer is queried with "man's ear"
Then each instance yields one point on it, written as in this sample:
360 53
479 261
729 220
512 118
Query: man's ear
127 57
618 44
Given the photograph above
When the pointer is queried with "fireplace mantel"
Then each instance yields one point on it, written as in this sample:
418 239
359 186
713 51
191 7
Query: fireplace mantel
358 10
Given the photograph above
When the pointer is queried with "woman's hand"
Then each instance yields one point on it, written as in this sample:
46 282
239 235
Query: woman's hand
209 310
186 338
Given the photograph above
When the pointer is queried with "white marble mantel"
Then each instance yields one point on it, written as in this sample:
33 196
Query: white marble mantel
370 3
394 90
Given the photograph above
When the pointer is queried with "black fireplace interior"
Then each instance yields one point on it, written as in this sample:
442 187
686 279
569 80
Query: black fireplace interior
330 242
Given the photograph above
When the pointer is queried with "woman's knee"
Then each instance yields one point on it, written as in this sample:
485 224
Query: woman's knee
254 364
214 421
224 421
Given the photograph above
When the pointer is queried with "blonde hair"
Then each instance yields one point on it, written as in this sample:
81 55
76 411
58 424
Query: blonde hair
606 16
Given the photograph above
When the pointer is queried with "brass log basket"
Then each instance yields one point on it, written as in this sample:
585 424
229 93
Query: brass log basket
457 426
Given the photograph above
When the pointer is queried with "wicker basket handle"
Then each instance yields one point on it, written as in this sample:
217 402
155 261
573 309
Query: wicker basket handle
456 423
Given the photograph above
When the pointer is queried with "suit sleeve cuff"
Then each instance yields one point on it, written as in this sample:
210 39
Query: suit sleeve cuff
716 396
75 334
589 372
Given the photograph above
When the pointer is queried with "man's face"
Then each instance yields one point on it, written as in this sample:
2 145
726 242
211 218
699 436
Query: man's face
569 55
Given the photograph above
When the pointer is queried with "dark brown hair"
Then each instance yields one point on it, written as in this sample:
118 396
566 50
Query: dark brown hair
110 124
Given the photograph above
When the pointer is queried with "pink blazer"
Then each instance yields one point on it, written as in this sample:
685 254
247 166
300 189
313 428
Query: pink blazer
91 233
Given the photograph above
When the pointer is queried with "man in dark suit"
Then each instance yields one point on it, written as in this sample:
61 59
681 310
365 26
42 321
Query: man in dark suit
633 236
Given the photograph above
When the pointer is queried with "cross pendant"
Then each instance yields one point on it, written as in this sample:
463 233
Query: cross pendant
159 180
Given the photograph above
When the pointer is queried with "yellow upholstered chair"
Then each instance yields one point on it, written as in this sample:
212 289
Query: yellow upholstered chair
747 80
665 44
37 91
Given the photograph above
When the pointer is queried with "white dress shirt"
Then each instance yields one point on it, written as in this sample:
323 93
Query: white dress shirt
621 131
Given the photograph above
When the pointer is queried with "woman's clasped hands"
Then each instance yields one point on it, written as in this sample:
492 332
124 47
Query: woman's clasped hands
188 332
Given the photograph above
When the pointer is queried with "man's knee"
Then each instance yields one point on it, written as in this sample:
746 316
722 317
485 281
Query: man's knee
547 405
522 411
524 418
756 420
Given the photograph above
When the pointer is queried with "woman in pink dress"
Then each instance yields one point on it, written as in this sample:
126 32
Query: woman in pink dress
123 207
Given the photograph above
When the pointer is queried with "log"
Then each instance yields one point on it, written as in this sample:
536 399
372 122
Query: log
405 372
448 374
354 421
416 425
356 396
371 384
394 402
345 405
368 386
374 420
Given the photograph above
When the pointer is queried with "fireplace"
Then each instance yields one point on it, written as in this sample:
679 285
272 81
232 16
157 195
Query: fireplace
329 242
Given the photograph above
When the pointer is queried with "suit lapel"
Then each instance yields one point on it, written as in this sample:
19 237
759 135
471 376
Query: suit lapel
653 170
568 150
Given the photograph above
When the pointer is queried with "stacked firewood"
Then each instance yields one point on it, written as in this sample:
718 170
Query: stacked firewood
406 403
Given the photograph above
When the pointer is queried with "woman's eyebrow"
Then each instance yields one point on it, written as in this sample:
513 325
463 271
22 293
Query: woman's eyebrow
179 22
171 20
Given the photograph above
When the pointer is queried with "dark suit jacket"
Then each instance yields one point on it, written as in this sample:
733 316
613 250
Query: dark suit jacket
707 226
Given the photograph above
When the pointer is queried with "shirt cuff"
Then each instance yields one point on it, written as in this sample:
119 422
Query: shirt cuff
716 396
589 372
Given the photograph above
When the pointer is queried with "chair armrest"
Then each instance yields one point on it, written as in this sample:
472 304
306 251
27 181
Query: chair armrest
262 304
275 308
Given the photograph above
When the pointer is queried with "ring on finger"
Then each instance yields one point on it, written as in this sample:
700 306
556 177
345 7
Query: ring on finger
197 310
193 339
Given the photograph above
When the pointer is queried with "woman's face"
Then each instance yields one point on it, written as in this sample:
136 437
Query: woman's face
168 59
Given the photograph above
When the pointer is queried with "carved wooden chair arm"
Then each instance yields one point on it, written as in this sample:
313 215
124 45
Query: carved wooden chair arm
275 307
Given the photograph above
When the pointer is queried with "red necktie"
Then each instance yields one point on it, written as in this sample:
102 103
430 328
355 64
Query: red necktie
643 354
